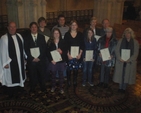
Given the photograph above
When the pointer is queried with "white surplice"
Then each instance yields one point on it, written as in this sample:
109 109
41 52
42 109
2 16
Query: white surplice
5 74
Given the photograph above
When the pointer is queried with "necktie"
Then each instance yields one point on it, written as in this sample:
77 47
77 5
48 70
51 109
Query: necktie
35 40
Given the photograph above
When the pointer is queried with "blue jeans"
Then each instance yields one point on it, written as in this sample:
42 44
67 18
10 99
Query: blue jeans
87 70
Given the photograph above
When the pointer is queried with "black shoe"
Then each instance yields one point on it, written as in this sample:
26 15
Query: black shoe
105 85
123 91
69 84
75 85
32 91
10 96
100 84
119 90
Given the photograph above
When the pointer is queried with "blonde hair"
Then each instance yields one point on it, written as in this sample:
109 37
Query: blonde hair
128 30
109 29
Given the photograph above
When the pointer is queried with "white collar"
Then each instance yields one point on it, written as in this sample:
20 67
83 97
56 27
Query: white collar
34 35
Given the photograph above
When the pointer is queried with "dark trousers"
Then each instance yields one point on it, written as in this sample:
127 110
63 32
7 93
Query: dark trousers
104 74
11 91
61 78
37 74
75 73
123 85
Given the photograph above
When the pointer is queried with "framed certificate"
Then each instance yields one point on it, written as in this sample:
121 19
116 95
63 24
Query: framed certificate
97 37
56 56
125 54
105 54
35 52
74 51
46 38
89 55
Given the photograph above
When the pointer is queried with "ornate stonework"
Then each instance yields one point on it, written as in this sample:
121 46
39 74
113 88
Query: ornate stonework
111 9
25 11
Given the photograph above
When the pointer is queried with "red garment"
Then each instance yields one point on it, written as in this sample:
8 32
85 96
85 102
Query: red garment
106 45
107 42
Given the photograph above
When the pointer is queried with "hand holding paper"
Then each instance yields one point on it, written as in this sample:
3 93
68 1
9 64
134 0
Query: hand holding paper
89 55
105 54
74 51
56 56
35 52
97 37
125 54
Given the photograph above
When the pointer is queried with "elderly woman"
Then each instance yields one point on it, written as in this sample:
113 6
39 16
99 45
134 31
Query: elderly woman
125 69
109 42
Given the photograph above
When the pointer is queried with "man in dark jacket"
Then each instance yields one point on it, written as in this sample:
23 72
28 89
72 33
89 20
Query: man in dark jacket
35 48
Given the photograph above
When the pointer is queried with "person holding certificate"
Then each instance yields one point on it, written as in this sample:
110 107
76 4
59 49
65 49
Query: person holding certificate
35 48
106 57
47 33
96 30
89 56
43 29
75 46
126 55
57 56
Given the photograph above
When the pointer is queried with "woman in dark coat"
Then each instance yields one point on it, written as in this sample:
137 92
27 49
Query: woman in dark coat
106 41
73 38
56 43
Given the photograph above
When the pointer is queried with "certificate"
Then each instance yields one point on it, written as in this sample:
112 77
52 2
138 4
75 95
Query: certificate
56 56
97 37
125 54
46 38
35 52
74 51
105 54
89 55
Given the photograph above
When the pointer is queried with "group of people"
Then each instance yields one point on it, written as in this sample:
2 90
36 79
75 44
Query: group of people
37 48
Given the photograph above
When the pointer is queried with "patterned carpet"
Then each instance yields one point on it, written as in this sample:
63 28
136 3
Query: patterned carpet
76 100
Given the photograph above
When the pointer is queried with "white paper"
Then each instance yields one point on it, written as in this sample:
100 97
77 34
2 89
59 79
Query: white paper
125 54
97 37
105 54
35 52
89 55
46 38
56 56
62 37
74 51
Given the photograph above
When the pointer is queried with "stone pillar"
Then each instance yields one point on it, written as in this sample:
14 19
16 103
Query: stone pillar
12 11
63 5
110 9
25 11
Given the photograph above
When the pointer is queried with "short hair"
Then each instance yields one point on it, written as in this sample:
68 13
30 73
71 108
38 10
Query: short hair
41 19
104 20
33 23
93 18
10 23
60 16
109 29
128 30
